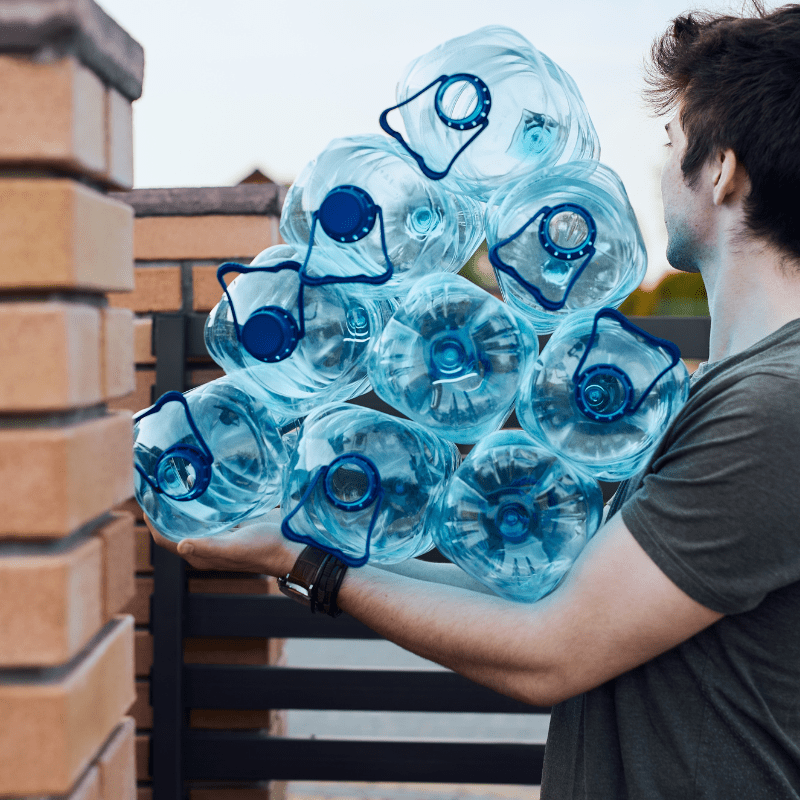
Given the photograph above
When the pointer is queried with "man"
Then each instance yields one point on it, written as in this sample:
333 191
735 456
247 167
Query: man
672 647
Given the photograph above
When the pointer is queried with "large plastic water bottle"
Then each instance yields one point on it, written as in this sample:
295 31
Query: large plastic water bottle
206 460
487 108
452 358
294 346
360 482
514 516
602 393
364 203
565 239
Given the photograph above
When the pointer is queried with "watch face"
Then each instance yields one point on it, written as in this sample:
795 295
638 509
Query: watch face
297 591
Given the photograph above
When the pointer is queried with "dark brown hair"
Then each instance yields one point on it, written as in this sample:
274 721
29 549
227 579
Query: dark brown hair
737 81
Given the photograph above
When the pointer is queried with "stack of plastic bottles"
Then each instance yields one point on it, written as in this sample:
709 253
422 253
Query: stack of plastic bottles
497 144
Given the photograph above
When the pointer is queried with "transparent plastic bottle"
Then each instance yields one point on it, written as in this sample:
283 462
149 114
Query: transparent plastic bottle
206 460
565 239
487 108
376 216
360 482
514 516
293 346
602 393
452 358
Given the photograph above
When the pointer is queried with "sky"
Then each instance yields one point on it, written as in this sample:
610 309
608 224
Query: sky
234 85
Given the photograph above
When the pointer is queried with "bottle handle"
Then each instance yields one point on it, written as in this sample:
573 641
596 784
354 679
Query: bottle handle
586 248
670 347
347 225
201 458
375 494
478 119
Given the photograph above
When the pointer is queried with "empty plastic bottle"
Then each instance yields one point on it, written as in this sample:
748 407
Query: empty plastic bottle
602 393
206 460
364 203
514 516
452 358
360 482
565 239
294 346
487 108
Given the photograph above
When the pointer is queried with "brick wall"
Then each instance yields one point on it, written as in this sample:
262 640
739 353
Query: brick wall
180 238
69 75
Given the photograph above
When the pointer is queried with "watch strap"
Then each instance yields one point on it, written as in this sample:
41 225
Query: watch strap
321 575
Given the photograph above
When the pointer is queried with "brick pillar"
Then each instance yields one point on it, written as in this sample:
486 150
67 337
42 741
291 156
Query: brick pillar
181 236
69 74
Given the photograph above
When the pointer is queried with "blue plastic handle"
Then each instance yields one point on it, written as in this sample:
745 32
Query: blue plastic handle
478 119
655 341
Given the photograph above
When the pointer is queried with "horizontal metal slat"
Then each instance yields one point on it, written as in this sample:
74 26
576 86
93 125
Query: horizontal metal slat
228 755
345 689
265 615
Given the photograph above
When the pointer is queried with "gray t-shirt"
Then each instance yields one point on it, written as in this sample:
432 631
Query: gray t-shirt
718 510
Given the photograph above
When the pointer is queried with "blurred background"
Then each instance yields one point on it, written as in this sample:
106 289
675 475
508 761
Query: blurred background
265 84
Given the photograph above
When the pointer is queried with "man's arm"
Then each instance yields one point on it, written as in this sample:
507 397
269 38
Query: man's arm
614 610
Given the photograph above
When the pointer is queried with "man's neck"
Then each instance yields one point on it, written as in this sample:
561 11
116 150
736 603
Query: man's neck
752 292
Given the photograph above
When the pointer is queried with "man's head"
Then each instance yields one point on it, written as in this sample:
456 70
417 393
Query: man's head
735 84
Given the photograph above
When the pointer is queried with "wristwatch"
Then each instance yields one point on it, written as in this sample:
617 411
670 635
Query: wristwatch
314 581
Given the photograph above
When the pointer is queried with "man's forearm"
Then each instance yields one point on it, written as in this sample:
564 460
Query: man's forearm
432 572
466 631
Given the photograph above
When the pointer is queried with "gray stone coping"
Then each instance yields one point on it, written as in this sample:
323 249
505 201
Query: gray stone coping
76 27
249 198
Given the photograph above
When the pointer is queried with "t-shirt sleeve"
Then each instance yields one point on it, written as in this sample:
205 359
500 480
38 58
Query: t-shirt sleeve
719 511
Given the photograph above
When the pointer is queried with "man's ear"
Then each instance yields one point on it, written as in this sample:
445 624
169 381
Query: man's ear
728 177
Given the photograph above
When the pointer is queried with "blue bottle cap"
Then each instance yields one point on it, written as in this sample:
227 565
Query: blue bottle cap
270 334
347 213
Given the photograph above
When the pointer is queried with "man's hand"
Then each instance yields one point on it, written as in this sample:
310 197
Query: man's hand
256 546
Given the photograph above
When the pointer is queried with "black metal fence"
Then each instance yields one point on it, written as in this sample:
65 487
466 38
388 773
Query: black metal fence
180 754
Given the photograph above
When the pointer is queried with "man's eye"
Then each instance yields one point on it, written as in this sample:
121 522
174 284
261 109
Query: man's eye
668 144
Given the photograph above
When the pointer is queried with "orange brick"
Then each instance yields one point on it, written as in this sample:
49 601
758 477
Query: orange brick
220 237
52 730
119 561
88 787
58 233
257 791
52 113
139 604
53 480
119 139
117 377
143 340
214 719
143 652
205 286
50 605
50 354
156 288
274 790
142 757
141 397
117 763
143 547
208 650
131 505
141 710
